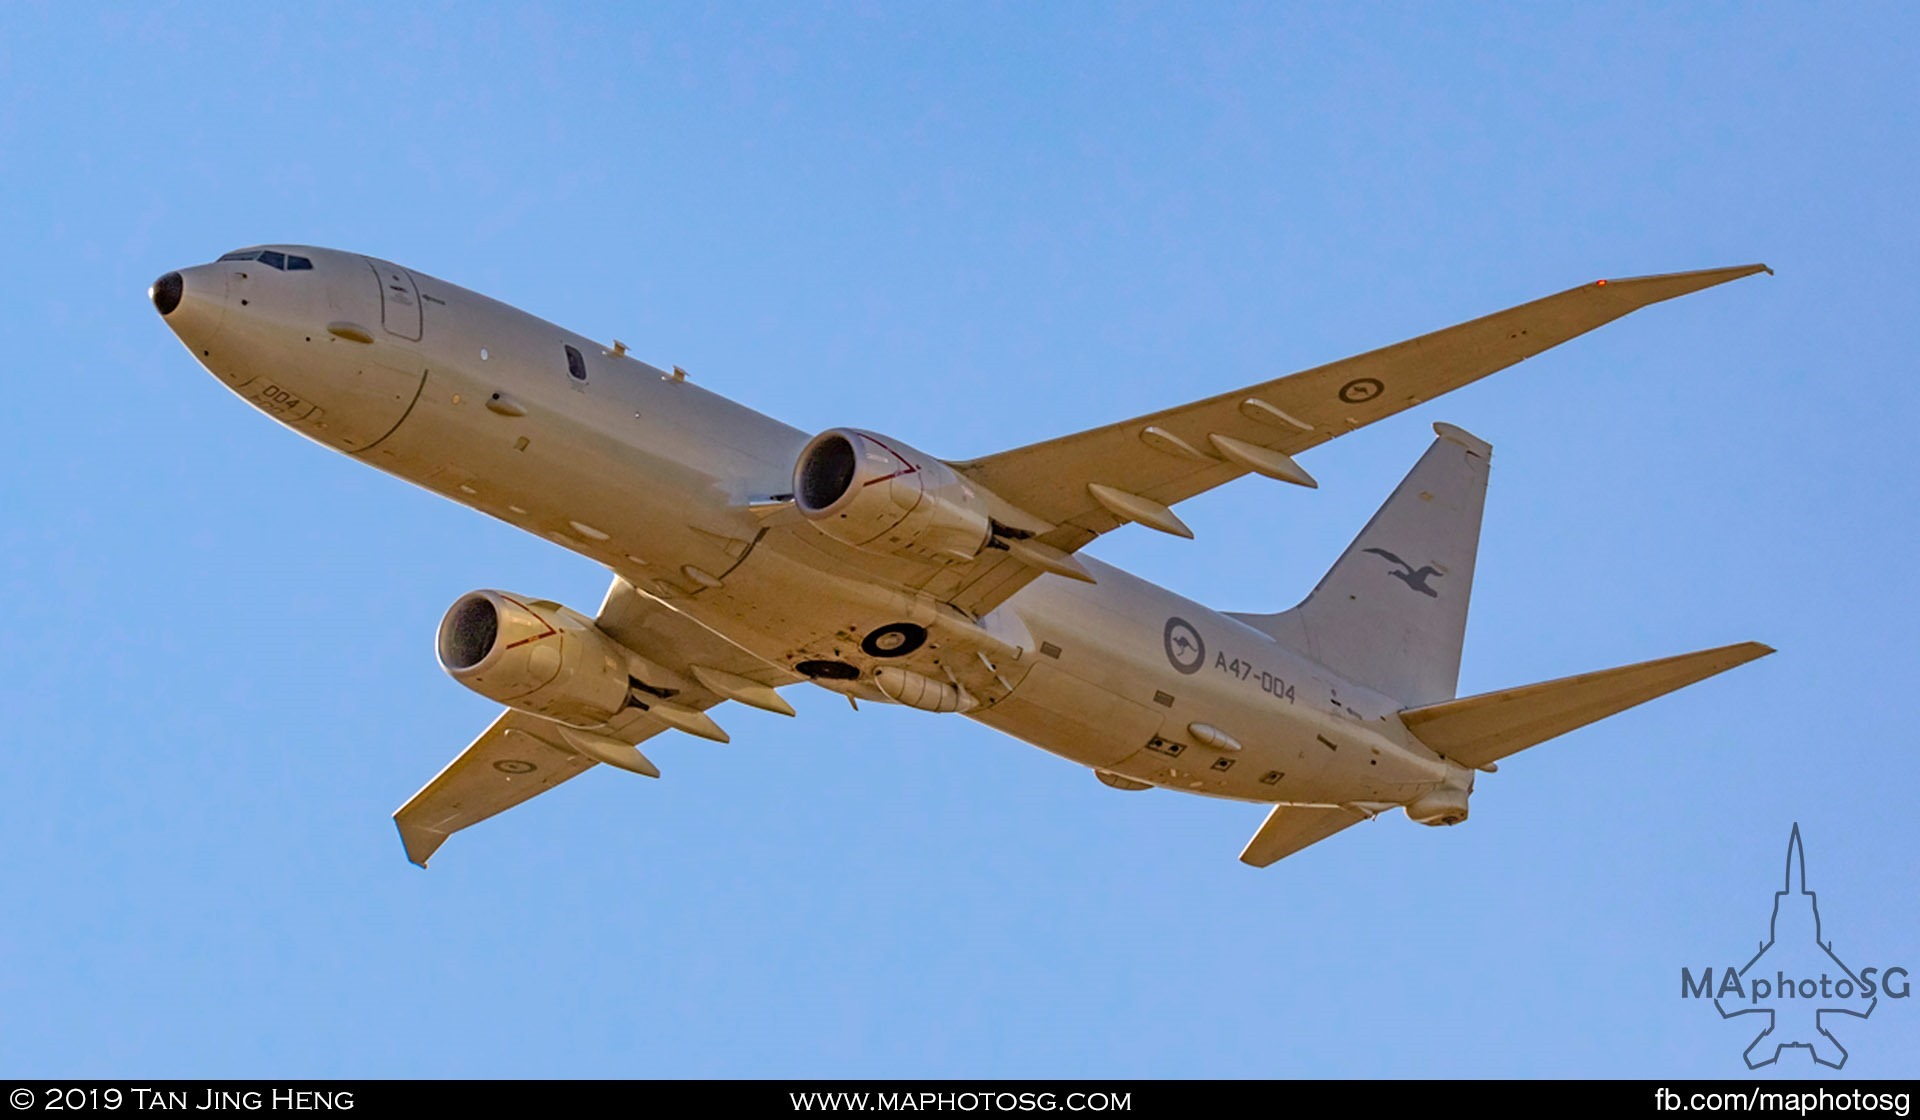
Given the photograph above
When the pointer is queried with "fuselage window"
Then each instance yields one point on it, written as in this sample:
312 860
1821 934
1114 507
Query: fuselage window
576 365
296 264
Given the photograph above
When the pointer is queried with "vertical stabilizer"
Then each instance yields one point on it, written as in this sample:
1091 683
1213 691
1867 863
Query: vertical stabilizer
1391 614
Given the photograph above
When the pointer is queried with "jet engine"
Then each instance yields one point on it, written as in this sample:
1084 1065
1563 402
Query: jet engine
534 655
880 495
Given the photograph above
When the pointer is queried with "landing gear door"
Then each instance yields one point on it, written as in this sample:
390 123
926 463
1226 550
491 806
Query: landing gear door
399 300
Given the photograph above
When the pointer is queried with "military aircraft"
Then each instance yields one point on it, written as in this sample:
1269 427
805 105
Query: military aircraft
748 556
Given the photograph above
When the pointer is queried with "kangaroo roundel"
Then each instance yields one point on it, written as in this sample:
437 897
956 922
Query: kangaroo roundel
1184 646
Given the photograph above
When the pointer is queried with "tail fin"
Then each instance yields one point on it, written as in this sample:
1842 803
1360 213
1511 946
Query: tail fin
1392 612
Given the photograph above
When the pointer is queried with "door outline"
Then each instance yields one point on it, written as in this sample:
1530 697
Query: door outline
399 300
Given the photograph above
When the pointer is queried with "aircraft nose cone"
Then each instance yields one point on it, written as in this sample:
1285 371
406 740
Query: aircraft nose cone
192 302
166 292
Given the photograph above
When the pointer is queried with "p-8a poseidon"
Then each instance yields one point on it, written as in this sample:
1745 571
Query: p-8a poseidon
747 556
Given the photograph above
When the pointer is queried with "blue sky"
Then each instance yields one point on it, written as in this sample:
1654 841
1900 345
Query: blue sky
972 227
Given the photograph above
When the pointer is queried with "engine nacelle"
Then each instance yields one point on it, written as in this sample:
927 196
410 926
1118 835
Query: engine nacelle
536 656
880 495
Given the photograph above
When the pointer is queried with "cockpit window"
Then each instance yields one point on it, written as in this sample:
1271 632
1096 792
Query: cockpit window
576 365
272 258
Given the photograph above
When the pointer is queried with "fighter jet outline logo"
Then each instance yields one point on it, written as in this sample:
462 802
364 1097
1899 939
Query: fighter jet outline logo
1185 648
1413 577
1806 1026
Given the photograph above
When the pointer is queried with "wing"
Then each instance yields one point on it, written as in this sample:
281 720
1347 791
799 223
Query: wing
686 669
702 666
1167 457
518 757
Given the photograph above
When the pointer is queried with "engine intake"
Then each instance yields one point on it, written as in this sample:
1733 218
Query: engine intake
880 495
534 655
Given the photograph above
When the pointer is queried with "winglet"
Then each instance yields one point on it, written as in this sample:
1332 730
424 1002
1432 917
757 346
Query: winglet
1643 290
419 842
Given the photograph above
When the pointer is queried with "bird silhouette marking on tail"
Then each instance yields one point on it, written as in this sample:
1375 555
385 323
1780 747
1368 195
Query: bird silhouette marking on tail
1415 578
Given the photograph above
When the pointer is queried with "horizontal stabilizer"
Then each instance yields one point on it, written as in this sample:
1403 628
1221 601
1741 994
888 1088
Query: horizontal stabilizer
1479 730
1290 828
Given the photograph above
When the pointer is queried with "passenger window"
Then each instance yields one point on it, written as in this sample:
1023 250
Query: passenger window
296 264
576 365
273 259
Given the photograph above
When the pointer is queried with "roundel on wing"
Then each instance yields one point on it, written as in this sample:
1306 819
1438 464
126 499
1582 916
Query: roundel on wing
1361 390
1185 648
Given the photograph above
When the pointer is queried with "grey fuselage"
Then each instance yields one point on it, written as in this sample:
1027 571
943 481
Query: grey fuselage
666 484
